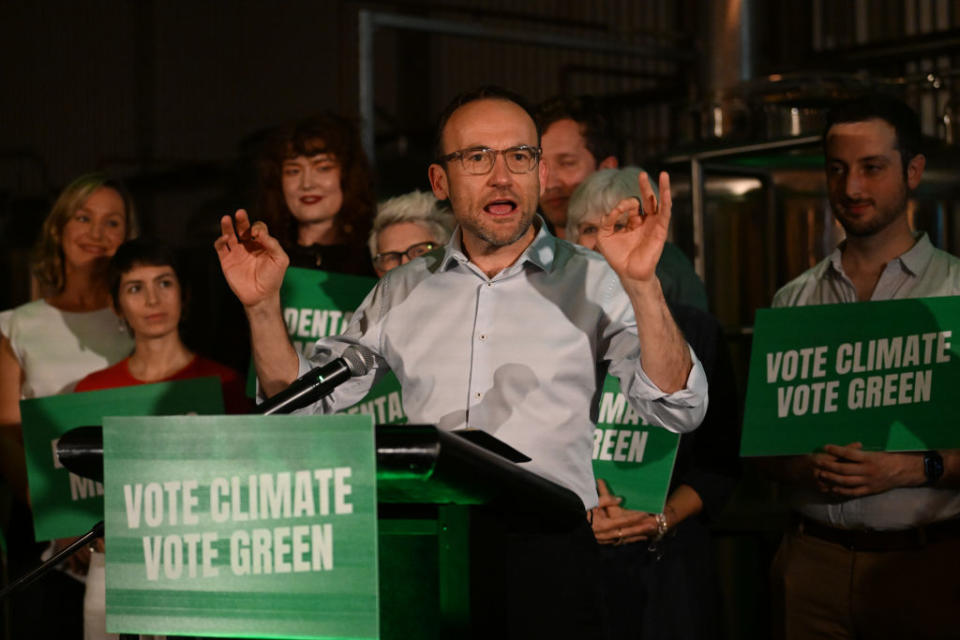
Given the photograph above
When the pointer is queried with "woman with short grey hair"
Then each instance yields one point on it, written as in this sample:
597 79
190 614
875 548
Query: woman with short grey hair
406 227
596 196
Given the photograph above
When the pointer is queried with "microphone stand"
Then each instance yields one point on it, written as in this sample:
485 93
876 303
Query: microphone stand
26 580
58 557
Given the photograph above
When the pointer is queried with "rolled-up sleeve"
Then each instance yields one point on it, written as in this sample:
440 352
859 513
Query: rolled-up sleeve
681 411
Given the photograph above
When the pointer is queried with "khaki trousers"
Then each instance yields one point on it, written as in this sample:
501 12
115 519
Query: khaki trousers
824 590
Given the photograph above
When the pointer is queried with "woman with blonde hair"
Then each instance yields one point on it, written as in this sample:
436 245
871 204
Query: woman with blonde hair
47 345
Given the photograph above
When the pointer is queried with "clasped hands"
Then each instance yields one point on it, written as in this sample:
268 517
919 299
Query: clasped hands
614 525
849 471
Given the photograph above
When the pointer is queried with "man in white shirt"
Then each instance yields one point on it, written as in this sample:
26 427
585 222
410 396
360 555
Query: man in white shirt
875 551
507 328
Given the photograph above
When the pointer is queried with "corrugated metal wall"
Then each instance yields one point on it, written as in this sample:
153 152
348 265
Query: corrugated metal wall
457 63
840 26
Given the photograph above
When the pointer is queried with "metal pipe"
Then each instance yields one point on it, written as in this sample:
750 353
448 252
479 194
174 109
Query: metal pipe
455 28
696 197
366 29
897 51
786 143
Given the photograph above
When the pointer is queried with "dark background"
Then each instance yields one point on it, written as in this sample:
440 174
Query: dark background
172 96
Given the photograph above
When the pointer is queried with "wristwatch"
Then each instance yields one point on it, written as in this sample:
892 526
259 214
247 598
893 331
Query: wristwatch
932 467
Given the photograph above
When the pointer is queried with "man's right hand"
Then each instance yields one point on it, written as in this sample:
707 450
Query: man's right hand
253 262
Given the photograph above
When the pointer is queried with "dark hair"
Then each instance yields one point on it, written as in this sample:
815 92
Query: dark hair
323 133
141 252
586 111
486 92
880 106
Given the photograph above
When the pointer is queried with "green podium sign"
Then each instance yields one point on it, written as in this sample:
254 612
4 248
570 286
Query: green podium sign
64 504
635 459
880 373
317 304
241 526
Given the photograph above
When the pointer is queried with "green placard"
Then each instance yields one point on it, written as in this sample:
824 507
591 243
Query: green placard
241 526
634 458
64 504
317 304
880 373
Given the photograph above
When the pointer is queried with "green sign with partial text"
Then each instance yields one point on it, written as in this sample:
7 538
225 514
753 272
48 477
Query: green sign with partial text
317 304
63 503
635 459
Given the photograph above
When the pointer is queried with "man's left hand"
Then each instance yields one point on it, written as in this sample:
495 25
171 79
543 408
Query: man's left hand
634 250
856 472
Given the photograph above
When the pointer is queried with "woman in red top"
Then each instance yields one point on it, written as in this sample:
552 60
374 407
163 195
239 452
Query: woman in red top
148 296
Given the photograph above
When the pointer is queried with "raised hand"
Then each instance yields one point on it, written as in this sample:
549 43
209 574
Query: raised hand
634 250
252 260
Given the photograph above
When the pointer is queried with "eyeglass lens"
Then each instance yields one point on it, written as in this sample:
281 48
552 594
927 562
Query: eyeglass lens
481 161
390 259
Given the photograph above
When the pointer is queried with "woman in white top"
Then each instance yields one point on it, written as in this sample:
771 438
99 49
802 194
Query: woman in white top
47 345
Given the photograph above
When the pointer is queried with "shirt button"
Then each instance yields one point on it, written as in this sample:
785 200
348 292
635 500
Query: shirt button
483 336
489 284
477 395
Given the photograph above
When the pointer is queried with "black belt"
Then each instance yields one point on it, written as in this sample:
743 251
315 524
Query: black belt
897 540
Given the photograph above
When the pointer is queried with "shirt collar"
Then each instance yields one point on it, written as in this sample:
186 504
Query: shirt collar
540 253
914 260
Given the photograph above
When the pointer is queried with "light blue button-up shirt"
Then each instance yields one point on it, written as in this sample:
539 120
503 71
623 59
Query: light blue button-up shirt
521 355
920 272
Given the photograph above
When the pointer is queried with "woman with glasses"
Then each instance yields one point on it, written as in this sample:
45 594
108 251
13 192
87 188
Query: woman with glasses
406 227
316 194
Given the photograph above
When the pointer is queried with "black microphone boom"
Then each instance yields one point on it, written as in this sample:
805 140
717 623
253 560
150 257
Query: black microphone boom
319 382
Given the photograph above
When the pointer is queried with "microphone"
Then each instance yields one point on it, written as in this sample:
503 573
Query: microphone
320 382
80 451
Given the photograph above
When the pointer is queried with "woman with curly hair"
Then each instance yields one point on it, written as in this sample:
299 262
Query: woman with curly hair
316 194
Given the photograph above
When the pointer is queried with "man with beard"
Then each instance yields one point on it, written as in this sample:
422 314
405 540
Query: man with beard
875 547
506 329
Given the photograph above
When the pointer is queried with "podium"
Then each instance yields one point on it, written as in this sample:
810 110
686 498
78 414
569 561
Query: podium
444 505
446 502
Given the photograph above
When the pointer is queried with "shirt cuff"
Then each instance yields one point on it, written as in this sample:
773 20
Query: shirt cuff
691 395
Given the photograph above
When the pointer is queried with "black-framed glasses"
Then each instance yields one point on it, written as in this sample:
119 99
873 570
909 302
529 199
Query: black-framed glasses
478 161
390 259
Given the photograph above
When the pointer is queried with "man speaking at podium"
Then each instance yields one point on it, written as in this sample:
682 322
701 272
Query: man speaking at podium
506 329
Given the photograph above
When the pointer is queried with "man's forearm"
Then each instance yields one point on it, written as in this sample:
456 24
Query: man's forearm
665 355
274 358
